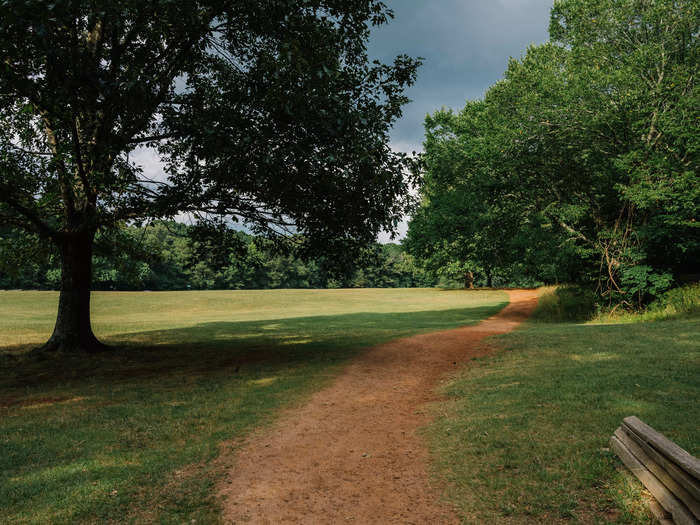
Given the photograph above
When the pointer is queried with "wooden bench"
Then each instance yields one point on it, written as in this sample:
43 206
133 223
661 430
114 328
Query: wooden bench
668 472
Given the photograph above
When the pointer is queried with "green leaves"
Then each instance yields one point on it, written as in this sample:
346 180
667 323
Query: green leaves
590 134
268 113
642 282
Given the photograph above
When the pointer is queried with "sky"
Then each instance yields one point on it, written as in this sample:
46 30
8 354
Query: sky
465 44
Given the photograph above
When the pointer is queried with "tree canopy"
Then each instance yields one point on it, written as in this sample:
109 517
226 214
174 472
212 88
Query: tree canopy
267 113
582 163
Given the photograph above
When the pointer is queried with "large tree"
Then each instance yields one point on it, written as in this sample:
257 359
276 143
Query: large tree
266 112
466 223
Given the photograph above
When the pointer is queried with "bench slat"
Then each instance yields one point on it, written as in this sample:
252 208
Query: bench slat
681 515
676 489
678 474
668 448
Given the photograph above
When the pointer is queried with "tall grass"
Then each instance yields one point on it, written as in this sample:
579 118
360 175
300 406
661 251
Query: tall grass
676 303
571 303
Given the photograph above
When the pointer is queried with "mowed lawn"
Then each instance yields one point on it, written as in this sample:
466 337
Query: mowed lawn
133 436
524 435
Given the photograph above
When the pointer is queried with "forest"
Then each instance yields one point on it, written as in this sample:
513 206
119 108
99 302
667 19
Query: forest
581 165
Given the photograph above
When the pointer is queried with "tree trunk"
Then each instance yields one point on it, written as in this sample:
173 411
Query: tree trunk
73 331
489 279
469 280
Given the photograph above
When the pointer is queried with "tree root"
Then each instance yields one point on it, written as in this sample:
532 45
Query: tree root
60 345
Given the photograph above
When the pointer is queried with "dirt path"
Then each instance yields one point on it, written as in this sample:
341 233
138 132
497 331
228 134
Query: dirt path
351 454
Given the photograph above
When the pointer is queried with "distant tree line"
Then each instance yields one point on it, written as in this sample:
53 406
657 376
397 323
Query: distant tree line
172 256
581 165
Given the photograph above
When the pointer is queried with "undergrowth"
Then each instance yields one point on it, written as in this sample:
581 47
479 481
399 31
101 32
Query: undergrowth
570 303
676 303
565 303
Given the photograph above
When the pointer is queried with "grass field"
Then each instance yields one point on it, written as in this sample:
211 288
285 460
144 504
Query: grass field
523 437
131 436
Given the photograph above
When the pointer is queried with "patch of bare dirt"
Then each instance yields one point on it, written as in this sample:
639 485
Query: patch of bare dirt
351 453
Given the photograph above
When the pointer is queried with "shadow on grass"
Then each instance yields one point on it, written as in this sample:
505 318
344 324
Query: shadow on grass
230 346
129 436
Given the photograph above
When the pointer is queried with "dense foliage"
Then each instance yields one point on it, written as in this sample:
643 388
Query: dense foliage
169 256
582 164
267 113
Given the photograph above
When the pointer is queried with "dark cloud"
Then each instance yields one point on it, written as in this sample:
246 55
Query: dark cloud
466 45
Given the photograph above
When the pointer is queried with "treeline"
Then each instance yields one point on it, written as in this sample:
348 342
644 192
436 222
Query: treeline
581 165
170 256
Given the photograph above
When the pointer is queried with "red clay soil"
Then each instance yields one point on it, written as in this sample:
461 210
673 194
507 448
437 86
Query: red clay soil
351 453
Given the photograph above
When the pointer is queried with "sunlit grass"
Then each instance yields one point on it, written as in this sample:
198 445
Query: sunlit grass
132 436
27 317
524 435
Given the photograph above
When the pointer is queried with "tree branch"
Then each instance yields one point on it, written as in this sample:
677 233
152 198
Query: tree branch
153 138
32 216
